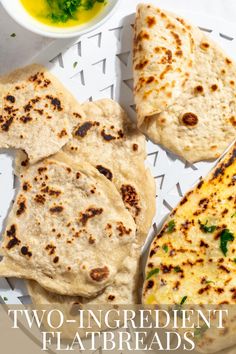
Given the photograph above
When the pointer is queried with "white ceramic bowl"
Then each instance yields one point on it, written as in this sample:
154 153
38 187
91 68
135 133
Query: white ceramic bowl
21 16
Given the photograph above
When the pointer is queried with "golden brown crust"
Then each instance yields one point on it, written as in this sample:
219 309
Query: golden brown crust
195 250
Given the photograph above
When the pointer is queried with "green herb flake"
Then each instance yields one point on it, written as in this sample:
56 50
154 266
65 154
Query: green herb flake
210 282
75 64
225 237
153 272
64 10
200 331
177 269
13 35
234 260
207 229
233 215
89 4
170 227
183 300
165 248
5 298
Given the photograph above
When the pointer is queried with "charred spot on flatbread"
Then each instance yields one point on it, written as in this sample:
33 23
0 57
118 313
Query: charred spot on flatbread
50 191
232 120
6 126
131 199
106 136
111 297
55 102
214 87
83 129
25 251
21 205
141 65
99 274
56 209
151 21
25 119
198 89
10 98
62 133
105 171
40 199
190 119
25 162
122 229
88 214
39 79
26 186
14 241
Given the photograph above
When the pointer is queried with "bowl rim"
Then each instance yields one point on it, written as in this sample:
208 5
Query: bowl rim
40 31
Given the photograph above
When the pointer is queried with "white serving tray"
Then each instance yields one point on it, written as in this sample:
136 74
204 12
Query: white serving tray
103 69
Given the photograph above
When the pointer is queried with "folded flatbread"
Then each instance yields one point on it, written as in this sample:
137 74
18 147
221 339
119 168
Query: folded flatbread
35 111
107 139
68 228
185 86
193 257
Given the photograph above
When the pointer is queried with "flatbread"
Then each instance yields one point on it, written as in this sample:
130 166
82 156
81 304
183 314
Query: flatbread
109 141
34 112
193 257
121 160
185 86
68 228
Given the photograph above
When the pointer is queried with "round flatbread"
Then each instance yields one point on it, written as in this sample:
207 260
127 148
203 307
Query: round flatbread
68 228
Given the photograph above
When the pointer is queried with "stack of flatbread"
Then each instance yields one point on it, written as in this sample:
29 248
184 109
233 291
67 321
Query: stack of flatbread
86 201
185 86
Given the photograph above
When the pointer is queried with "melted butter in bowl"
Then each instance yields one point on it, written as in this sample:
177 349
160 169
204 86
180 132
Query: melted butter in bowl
64 13
60 18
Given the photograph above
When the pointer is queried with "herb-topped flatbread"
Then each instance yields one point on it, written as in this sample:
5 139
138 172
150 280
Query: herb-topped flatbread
193 258
35 111
68 228
185 86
